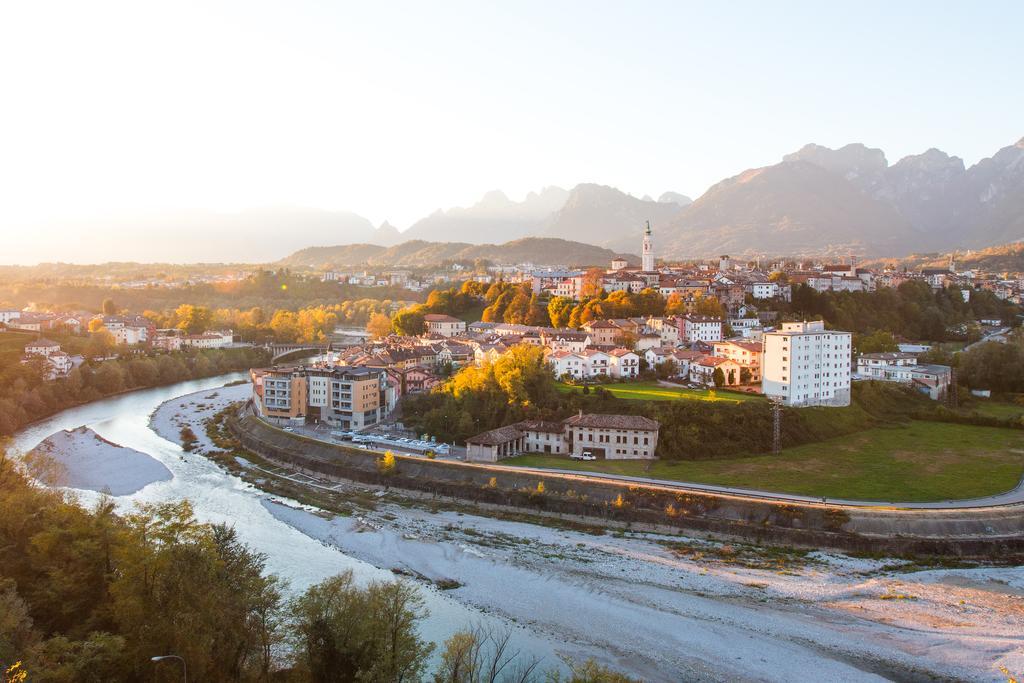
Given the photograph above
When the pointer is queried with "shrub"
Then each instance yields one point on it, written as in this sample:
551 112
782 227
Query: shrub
387 464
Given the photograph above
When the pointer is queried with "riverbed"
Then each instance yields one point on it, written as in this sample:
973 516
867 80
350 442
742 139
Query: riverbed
662 608
219 497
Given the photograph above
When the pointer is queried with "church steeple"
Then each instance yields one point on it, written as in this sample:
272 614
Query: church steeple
647 256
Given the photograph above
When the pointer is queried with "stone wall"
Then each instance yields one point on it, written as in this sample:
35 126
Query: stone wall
989 532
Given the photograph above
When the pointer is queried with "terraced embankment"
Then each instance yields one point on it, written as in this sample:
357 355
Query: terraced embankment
995 531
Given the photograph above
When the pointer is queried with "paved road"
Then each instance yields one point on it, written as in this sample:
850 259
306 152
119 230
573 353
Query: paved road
1014 497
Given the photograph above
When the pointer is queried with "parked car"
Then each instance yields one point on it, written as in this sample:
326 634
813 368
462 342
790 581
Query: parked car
585 455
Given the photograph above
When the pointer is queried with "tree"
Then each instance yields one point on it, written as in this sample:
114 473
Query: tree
379 326
674 305
481 655
409 322
109 307
96 324
592 284
719 377
559 310
100 345
879 342
343 633
193 319
709 305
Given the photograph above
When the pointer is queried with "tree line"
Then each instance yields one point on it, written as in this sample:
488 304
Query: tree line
913 310
89 595
266 289
519 386
26 395
518 304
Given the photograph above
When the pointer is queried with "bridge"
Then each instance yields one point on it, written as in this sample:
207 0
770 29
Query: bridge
279 351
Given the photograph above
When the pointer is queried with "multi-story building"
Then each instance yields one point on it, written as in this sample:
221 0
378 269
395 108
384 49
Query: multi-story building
444 325
806 365
606 437
747 354
130 330
603 332
9 314
874 365
344 397
700 328
933 380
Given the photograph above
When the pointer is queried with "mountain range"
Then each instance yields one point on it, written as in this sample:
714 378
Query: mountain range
816 201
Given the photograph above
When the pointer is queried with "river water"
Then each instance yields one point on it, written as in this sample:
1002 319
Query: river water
218 496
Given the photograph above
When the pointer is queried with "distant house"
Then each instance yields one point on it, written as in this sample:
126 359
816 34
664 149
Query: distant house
746 354
606 437
444 325
208 340
623 363
702 371
9 314
57 363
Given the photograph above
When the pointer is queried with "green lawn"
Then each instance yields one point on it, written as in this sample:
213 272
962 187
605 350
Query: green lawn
652 391
922 461
1000 409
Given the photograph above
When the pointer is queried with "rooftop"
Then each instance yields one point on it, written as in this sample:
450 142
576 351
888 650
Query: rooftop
599 421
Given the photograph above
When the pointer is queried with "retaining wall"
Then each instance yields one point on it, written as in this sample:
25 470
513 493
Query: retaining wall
973 532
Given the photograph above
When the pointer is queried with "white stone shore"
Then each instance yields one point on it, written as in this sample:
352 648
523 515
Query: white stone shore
82 459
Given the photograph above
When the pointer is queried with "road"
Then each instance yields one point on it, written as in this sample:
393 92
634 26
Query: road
1013 497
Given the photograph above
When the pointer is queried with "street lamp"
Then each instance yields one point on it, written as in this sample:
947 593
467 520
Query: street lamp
184 667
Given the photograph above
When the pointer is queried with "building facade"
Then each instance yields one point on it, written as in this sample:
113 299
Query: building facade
806 365
605 437
343 397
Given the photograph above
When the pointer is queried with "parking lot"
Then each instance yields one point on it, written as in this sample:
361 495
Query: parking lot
380 440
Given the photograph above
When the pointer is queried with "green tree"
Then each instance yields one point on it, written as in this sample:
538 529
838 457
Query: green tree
409 322
343 633
109 307
878 342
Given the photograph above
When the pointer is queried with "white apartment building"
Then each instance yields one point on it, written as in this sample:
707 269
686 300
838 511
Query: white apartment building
695 328
9 314
806 365
764 290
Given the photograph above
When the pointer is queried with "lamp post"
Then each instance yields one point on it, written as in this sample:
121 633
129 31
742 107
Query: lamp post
184 667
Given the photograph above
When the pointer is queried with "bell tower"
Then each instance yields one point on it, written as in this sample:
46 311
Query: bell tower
647 257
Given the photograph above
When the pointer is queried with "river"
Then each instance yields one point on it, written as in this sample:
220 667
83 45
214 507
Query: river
218 496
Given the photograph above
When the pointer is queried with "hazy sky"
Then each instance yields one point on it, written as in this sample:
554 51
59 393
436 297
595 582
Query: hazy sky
393 109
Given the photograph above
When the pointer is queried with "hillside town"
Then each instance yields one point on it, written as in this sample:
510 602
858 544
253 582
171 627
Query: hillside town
746 349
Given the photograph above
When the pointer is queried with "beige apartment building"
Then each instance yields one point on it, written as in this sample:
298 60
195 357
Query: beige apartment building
343 397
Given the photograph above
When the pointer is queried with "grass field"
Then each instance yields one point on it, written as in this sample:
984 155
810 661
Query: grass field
922 461
1000 409
652 391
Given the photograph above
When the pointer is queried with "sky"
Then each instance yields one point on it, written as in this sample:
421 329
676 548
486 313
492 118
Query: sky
394 109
